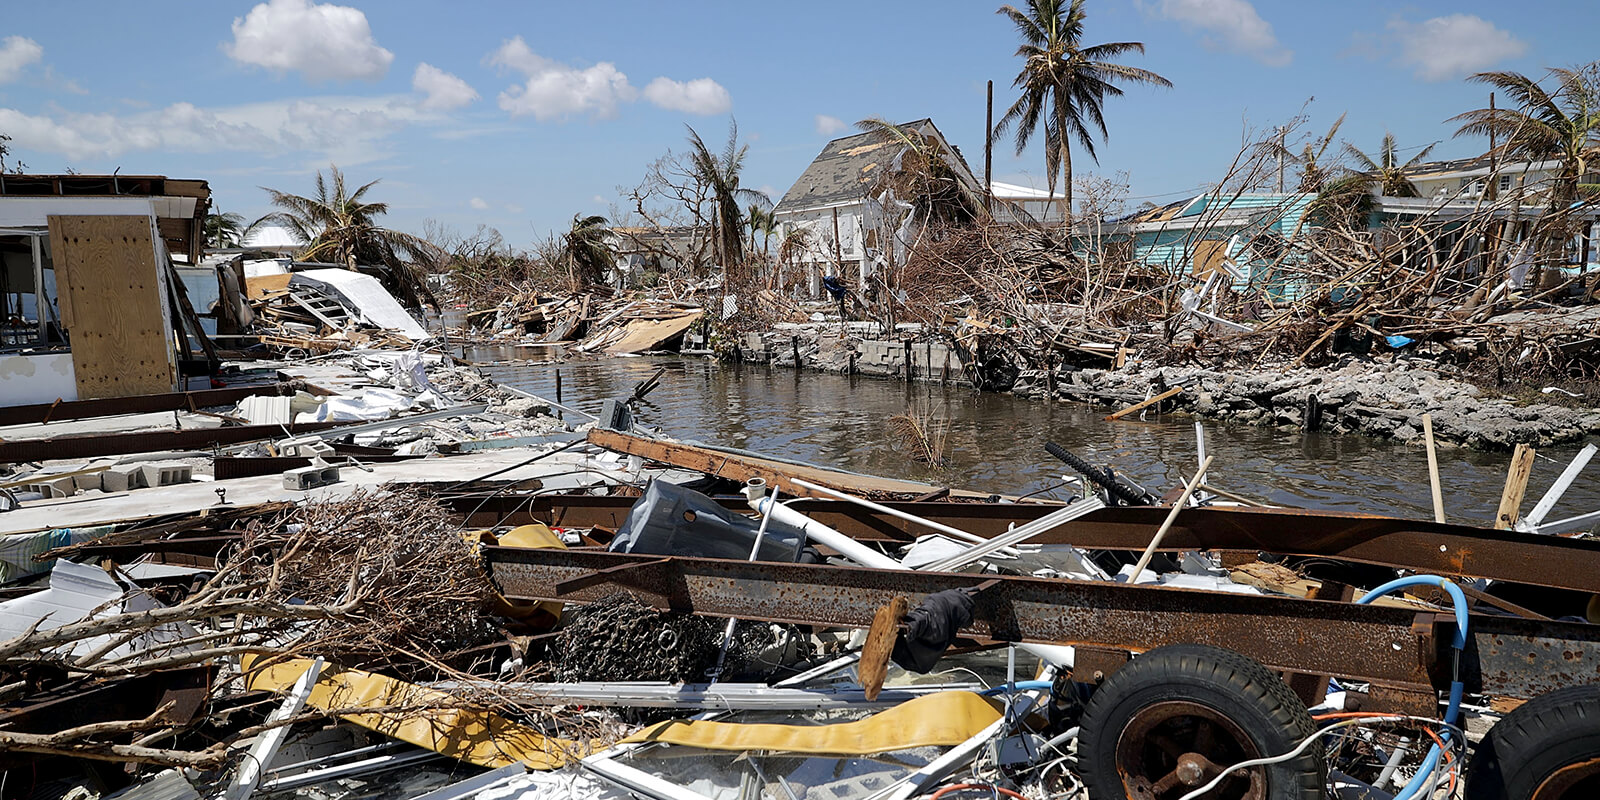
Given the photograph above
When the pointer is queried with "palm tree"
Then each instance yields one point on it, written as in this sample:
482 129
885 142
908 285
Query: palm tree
1561 124
762 223
1386 172
224 230
1064 85
1314 172
588 250
337 224
926 178
719 174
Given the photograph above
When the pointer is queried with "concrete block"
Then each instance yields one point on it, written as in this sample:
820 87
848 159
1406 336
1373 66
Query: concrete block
166 473
122 478
303 478
85 482
305 447
60 487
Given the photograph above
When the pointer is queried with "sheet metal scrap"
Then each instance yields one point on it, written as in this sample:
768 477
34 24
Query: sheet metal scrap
1396 647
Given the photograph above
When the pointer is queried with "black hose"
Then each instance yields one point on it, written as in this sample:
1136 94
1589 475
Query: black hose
1101 476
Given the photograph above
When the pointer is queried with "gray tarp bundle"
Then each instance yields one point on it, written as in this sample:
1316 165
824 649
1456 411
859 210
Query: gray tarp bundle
670 520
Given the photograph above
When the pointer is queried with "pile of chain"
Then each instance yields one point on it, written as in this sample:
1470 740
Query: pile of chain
618 638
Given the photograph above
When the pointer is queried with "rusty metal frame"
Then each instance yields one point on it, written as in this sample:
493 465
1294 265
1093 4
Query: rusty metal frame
1397 649
1572 564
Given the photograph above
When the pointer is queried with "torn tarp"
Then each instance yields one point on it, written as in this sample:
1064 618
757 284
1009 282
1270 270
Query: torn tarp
670 520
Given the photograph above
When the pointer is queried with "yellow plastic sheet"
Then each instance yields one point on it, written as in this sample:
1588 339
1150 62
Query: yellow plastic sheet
475 736
536 536
945 719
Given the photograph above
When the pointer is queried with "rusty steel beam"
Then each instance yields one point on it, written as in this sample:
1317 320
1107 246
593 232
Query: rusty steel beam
62 410
1381 644
1551 561
114 444
1397 649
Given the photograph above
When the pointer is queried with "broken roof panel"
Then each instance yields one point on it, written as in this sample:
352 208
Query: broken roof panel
846 169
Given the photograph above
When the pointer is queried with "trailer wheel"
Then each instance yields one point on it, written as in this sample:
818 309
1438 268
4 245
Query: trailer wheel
1172 719
1545 749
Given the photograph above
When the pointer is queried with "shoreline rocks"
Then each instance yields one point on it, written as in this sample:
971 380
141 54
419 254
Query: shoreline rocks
1384 397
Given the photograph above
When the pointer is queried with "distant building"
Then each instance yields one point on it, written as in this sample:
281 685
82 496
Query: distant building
844 203
1024 205
1240 236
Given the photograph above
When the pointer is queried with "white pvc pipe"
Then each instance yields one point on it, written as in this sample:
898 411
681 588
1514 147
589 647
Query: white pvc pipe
970 538
824 535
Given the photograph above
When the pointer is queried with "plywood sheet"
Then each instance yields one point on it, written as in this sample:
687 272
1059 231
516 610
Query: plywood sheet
112 303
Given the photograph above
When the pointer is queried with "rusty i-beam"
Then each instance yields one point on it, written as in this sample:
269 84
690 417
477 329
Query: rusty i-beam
1403 653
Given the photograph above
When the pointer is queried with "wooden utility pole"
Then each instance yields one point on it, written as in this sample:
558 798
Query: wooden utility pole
988 152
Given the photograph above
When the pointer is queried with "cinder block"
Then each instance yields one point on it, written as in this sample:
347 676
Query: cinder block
305 447
84 482
122 478
318 474
166 473
60 487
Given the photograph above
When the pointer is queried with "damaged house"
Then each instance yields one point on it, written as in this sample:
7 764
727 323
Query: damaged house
854 222
94 306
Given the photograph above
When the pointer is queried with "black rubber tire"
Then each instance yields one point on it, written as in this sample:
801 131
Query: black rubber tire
1237 687
1535 740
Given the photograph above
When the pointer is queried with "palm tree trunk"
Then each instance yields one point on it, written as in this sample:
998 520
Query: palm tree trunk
1066 169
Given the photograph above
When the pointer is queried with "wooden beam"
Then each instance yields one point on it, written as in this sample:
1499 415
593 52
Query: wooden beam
740 468
1136 407
1516 487
1433 468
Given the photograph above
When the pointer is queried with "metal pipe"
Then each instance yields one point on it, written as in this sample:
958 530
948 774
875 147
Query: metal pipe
882 509
824 535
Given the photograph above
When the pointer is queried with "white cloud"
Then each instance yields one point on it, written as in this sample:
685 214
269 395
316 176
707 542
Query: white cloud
828 126
597 200
441 90
348 130
322 41
1453 46
554 90
16 53
699 96
1229 25
479 204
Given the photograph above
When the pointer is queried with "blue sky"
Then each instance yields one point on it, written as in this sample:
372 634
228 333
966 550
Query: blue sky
526 113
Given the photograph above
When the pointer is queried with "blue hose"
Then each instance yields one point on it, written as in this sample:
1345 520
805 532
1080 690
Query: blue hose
1452 710
1019 686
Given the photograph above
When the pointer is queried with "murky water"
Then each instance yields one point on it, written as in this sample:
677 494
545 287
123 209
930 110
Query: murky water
995 442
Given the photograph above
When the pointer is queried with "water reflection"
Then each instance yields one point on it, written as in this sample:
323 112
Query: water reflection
996 441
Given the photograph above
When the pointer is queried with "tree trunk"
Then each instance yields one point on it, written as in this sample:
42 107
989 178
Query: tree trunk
1066 170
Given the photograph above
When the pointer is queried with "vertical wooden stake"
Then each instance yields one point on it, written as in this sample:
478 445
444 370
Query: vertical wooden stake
1433 468
1516 486
559 414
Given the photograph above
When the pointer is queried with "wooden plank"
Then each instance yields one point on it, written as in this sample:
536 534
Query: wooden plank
119 328
1137 407
1516 487
263 286
741 468
1433 468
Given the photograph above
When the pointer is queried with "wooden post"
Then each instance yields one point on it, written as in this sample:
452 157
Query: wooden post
558 395
838 247
1433 468
1516 487
910 357
794 342
988 153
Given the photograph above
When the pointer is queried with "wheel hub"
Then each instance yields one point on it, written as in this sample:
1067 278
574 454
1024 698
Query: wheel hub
1578 781
1171 748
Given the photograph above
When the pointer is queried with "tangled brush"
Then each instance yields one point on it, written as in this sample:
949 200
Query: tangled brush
413 588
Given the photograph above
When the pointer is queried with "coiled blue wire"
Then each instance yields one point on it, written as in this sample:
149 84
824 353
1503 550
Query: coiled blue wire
1453 709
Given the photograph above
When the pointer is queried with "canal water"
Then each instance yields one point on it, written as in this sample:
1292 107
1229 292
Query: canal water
995 442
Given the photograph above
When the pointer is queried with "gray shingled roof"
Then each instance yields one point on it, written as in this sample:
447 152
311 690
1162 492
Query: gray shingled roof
847 168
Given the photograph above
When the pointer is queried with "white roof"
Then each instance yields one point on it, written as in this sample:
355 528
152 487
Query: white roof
272 237
1012 191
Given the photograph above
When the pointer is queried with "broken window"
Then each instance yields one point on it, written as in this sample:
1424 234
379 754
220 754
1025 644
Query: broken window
25 321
